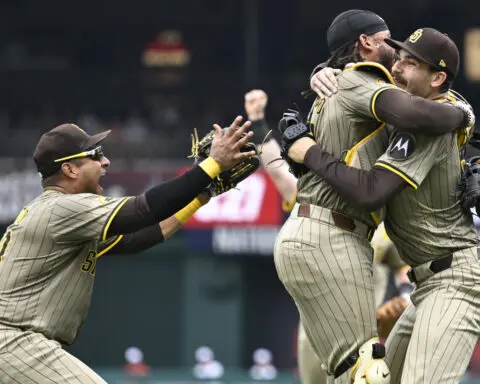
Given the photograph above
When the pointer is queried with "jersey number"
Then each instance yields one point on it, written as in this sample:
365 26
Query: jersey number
90 263
7 237
4 242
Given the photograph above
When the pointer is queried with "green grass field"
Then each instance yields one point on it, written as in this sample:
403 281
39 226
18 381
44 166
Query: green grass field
113 376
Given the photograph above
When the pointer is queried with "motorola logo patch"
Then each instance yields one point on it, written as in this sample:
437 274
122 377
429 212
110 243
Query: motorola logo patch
402 147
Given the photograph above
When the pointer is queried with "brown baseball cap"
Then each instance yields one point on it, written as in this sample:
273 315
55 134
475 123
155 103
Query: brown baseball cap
432 47
63 141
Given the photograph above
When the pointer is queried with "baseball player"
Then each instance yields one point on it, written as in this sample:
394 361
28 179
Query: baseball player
48 255
322 253
386 257
417 177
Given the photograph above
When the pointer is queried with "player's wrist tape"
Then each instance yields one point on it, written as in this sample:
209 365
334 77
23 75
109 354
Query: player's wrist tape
211 167
186 213
256 117
260 126
405 289
262 131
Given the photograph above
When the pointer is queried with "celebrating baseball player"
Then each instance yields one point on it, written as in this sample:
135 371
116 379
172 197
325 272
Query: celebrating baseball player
418 178
385 258
48 255
385 254
322 254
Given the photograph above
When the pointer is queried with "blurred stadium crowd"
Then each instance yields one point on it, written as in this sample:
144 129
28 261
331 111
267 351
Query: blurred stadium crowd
152 76
152 72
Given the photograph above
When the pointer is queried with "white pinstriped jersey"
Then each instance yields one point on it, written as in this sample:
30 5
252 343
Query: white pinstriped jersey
48 262
346 126
426 221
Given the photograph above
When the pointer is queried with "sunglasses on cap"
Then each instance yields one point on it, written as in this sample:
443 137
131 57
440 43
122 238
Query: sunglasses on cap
94 154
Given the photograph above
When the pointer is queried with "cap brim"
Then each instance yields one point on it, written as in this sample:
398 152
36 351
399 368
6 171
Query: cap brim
94 140
398 45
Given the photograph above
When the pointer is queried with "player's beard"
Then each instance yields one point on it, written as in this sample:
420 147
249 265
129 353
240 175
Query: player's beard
386 57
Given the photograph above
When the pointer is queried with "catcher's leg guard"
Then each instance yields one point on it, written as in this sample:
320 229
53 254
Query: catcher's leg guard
371 367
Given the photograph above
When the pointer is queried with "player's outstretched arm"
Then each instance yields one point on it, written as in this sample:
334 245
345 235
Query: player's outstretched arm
283 179
164 200
148 237
255 104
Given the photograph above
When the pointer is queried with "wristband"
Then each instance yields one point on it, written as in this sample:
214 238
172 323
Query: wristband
187 212
405 290
211 167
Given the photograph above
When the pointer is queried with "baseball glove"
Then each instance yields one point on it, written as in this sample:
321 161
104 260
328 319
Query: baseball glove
292 128
230 178
469 188
388 314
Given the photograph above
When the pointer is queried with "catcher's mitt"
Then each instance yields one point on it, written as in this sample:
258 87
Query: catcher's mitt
388 314
230 178
469 188
292 128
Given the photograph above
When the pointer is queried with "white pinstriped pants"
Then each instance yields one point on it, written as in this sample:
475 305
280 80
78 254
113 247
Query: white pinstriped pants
309 364
329 274
30 358
433 340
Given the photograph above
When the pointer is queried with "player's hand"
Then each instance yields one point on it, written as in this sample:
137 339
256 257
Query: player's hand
392 308
227 147
324 82
299 148
255 103
388 314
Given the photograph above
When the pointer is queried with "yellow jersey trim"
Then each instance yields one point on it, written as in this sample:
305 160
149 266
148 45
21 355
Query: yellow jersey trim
287 206
110 219
399 173
375 218
351 151
451 97
371 64
103 252
385 235
375 96
384 71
